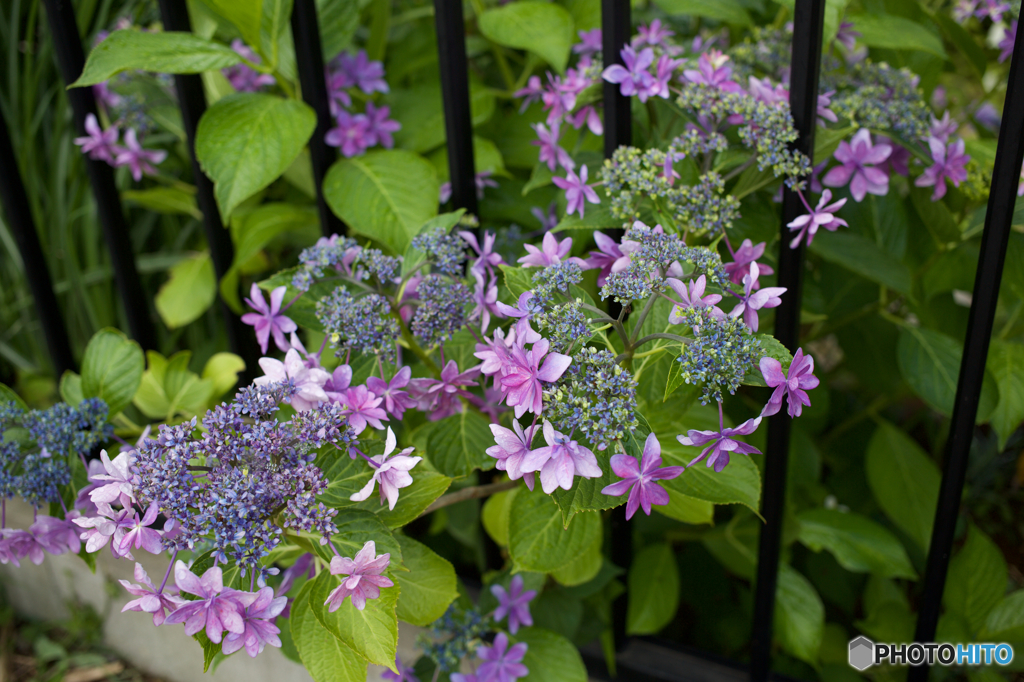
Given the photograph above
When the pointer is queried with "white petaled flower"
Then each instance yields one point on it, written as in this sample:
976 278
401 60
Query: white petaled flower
392 474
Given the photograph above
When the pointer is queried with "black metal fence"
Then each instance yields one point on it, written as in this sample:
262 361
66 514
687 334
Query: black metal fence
642 658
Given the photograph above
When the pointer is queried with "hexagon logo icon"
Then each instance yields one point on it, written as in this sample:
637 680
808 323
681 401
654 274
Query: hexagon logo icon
862 653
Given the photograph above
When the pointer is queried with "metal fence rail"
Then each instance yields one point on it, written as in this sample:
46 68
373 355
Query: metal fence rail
639 659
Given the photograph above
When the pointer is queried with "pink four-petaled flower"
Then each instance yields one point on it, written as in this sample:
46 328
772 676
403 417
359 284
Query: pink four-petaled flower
363 580
640 480
793 386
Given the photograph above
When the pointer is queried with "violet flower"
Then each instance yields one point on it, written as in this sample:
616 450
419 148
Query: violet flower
121 480
949 162
485 299
379 127
406 673
653 34
548 219
633 78
269 319
532 92
306 382
1006 44
751 301
560 461
742 259
942 128
337 382
100 529
794 387
396 401
515 603
364 577
820 216
19 544
641 480
139 535
523 311
512 446
824 113
692 295
501 663
242 77
993 9
150 599
352 134
550 151
392 475
576 190
99 144
468 677
495 354
259 625
487 258
898 161
217 609
712 70
522 377
721 442
766 91
663 75
139 160
609 257
55 535
858 158
552 252
363 72
441 397
362 407
590 42
846 36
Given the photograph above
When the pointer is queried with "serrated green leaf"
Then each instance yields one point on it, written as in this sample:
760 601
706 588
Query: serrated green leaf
325 656
799 615
112 369
495 515
537 539
372 632
896 33
189 292
518 280
428 587
543 28
858 543
550 657
1006 621
1006 364
169 200
687 509
865 258
456 445
583 568
729 11
977 578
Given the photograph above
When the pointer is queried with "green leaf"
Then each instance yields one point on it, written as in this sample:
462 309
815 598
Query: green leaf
325 656
189 292
540 177
274 24
537 539
935 216
420 112
426 487
896 33
583 568
858 543
70 389
253 231
246 15
595 217
688 509
338 21
977 579
247 140
865 258
222 370
160 52
386 195
653 590
930 362
518 280
550 657
356 527
345 476
169 200
1006 364
964 42
429 586
770 348
1006 621
372 633
738 483
169 388
904 480
487 158
456 445
495 514
729 11
799 615
112 369
543 28
8 395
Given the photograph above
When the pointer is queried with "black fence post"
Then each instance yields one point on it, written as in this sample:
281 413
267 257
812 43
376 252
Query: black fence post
808 25
19 215
1001 200
71 60
618 128
192 102
309 60
458 121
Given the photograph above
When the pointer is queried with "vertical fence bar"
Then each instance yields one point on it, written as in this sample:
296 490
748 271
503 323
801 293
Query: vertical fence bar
458 121
808 24
19 215
618 128
309 59
615 30
192 102
71 59
1001 199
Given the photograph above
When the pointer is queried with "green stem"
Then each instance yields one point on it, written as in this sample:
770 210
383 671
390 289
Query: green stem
662 335
410 343
643 316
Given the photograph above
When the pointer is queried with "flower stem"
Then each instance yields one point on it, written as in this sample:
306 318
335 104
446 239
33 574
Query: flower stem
168 573
640 321
471 493
661 335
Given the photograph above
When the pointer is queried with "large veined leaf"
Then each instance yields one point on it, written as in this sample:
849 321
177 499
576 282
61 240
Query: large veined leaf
896 33
457 444
864 257
858 543
338 21
426 487
494 515
112 369
537 539
930 362
170 200
160 52
653 590
385 195
168 387
1006 621
246 141
583 568
327 658
904 480
977 579
274 24
546 29
1006 364
738 483
429 585
729 11
246 15
550 657
799 615
372 632
189 292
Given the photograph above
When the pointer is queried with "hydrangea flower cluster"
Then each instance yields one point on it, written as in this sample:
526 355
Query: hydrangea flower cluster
354 132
